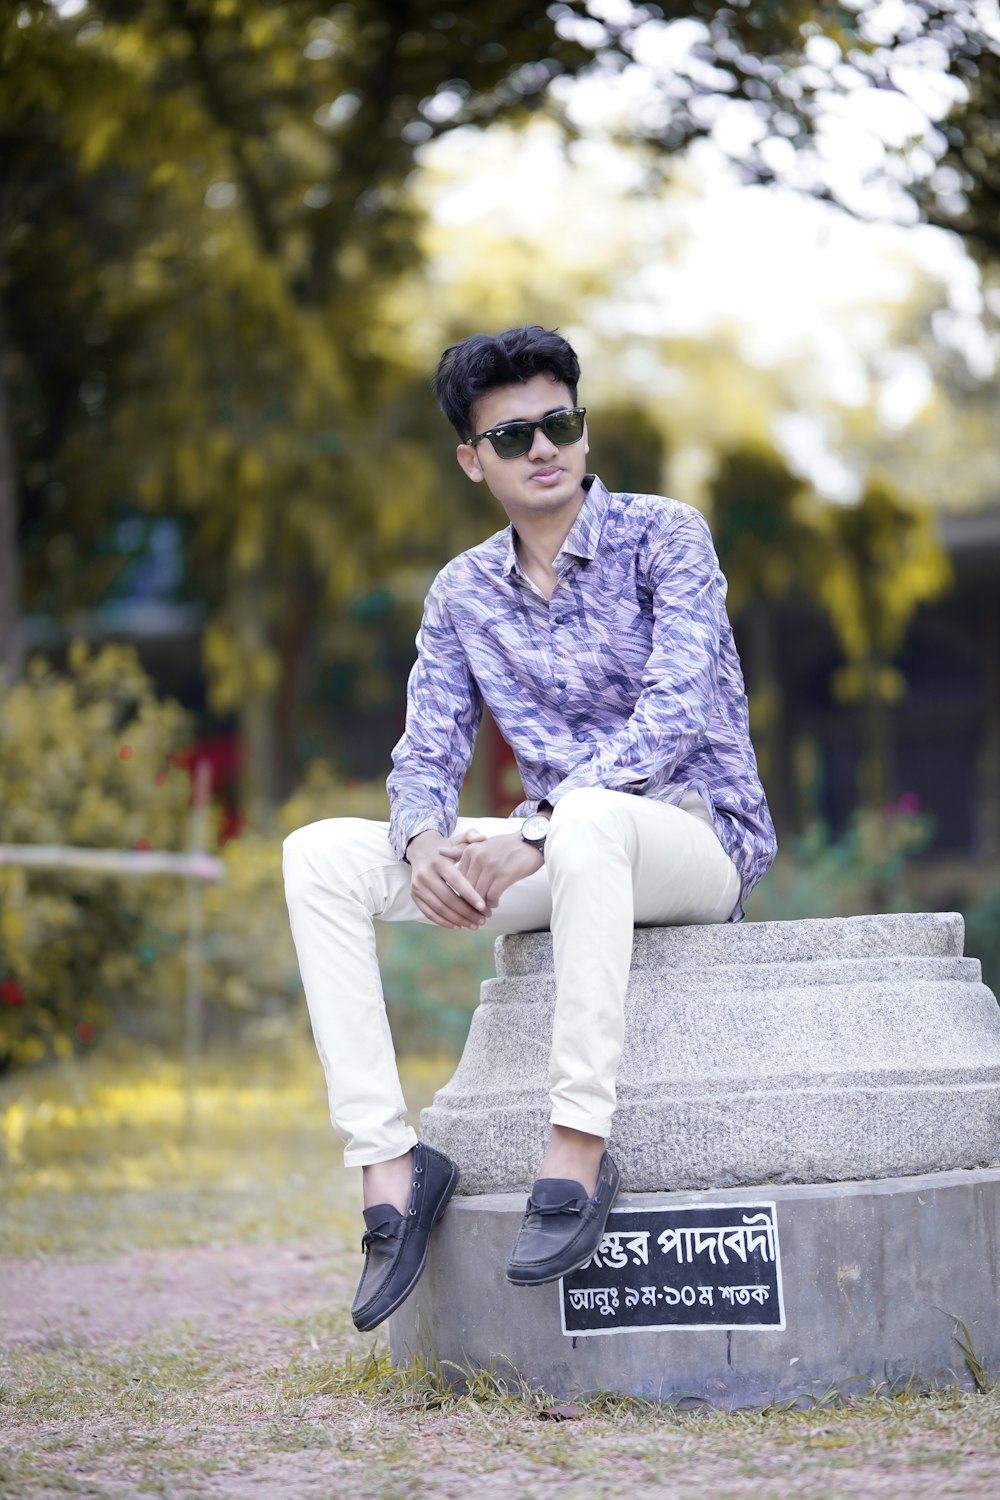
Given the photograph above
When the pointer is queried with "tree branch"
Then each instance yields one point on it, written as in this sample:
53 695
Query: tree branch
196 26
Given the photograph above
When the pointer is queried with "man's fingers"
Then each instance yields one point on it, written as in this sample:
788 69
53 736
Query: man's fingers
463 889
455 847
445 909
443 898
433 914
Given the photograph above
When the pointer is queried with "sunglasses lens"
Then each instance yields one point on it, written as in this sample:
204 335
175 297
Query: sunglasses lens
512 441
564 427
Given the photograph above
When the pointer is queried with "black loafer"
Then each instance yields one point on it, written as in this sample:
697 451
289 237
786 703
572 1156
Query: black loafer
396 1244
562 1227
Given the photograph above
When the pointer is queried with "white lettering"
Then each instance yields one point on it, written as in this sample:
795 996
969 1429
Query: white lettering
606 1300
761 1239
618 1245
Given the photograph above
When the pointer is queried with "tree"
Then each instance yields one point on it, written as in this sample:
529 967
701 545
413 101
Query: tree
962 193
11 638
209 198
203 203
765 547
882 560
773 87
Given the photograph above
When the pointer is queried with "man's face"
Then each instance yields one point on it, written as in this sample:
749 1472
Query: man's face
545 479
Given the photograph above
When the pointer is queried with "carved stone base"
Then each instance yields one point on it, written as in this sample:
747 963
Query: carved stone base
769 1052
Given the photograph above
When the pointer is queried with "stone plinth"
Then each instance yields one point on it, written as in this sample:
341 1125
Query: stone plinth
771 1052
875 1275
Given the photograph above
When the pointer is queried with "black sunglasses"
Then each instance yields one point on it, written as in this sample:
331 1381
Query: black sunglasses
514 439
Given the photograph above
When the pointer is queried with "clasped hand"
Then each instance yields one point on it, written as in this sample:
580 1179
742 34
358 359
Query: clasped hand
457 882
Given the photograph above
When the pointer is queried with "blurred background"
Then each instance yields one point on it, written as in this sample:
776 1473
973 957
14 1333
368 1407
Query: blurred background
235 237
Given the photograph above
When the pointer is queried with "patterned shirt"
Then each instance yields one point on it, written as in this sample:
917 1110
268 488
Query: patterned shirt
627 678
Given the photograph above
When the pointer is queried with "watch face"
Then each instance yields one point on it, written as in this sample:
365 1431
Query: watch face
535 829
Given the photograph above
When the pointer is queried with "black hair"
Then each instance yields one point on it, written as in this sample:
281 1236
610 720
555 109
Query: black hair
484 361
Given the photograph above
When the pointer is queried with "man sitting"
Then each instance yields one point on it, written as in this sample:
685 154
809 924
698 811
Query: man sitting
594 628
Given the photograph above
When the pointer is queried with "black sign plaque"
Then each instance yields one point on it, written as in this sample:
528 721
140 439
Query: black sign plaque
701 1266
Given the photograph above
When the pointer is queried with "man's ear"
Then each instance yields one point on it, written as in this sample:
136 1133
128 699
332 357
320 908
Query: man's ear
468 461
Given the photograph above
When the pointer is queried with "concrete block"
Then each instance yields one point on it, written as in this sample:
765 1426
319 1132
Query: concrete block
874 1273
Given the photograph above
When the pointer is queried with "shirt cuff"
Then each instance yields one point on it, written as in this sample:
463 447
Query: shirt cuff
406 825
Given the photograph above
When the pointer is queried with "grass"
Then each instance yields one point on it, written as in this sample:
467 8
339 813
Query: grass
98 1157
169 1414
101 1175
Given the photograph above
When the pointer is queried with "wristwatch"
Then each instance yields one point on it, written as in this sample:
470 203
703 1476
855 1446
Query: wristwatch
535 831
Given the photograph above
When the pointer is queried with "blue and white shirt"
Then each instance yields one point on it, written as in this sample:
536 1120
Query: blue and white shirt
627 678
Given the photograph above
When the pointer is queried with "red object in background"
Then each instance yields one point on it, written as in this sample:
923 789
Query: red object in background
143 845
231 824
11 992
503 780
85 1032
221 753
125 753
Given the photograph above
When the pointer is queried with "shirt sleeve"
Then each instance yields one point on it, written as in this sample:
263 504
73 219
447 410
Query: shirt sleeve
679 681
444 709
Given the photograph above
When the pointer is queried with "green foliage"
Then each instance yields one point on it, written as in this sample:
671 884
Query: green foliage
210 202
431 982
963 194
85 759
763 541
861 871
89 758
982 938
883 559
222 188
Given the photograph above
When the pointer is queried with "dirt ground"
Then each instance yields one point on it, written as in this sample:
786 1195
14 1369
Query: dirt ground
240 1293
220 1372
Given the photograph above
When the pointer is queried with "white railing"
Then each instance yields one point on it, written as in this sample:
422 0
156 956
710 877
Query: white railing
196 867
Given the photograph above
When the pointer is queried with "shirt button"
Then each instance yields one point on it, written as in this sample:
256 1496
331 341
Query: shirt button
559 620
560 683
579 738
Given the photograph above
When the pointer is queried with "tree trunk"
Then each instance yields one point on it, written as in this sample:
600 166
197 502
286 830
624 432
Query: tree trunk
986 803
877 773
11 624
291 638
256 713
767 709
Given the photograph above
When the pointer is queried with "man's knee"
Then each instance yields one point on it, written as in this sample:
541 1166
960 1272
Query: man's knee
588 815
322 853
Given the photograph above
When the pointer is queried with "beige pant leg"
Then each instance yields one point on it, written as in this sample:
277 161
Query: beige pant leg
340 874
611 860
615 861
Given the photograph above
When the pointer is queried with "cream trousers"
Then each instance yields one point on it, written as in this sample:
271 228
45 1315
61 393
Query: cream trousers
612 861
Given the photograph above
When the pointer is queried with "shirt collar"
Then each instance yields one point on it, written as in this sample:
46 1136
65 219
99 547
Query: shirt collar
584 534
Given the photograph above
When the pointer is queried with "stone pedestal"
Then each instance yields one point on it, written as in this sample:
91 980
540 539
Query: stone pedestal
763 1052
875 1275
846 1070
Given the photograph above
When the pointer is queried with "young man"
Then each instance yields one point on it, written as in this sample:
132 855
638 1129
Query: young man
594 628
